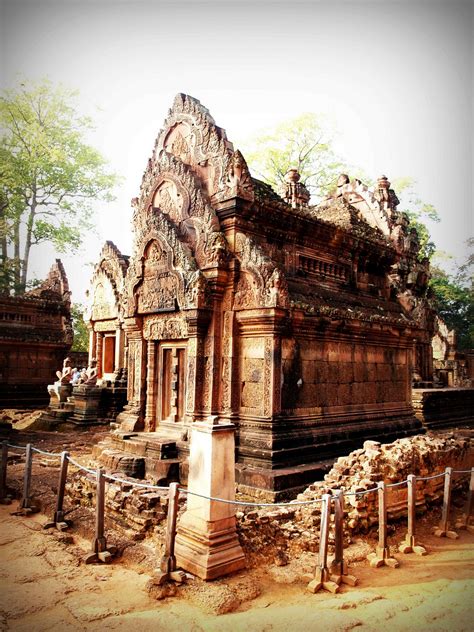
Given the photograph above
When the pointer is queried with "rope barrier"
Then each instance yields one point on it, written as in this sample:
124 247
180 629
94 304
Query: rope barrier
362 493
292 503
109 477
429 478
55 454
79 466
396 484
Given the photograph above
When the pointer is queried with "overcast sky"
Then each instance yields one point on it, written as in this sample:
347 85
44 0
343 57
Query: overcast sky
396 76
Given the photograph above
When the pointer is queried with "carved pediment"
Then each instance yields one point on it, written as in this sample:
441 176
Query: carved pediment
191 135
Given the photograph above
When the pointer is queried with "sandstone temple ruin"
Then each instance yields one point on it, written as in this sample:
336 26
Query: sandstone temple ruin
302 325
35 336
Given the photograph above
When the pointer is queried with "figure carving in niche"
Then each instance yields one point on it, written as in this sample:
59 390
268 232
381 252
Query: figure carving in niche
277 293
89 375
168 199
180 148
215 248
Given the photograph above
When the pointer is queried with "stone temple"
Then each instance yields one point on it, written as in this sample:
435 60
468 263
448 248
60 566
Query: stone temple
302 325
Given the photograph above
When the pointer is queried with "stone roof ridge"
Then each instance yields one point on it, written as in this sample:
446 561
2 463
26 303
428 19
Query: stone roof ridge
377 206
55 286
110 250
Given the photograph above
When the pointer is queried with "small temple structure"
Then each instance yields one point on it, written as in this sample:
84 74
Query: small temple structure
35 336
302 325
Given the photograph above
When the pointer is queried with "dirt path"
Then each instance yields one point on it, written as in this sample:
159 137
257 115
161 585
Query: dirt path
45 586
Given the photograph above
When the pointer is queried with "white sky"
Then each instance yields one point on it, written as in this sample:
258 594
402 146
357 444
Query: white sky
396 76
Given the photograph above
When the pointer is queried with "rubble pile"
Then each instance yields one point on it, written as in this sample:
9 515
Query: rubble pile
134 512
298 529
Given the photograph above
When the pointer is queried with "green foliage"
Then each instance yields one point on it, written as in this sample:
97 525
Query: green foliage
454 294
418 213
49 176
303 143
81 334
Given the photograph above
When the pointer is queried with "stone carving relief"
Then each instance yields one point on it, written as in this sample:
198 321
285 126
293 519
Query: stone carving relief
103 300
236 180
169 200
160 286
174 328
263 284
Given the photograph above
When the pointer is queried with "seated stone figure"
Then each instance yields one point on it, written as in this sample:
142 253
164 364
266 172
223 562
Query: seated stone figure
62 388
89 375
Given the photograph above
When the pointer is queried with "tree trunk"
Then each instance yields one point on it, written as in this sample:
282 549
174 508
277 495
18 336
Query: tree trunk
29 234
16 258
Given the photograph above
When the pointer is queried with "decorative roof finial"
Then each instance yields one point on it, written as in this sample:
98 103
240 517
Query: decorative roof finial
293 191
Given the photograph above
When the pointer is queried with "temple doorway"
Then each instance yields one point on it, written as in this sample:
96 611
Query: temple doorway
171 378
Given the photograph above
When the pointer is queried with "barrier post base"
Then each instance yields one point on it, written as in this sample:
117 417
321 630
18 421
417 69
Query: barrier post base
340 573
409 546
59 525
464 523
25 508
100 552
58 522
161 577
440 532
382 557
323 581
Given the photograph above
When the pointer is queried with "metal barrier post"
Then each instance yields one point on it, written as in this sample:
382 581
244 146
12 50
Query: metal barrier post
382 556
26 506
466 519
100 551
322 577
443 529
167 571
409 544
338 568
58 521
4 497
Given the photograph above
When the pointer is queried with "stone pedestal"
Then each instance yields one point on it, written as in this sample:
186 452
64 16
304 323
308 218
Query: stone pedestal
206 539
86 405
59 393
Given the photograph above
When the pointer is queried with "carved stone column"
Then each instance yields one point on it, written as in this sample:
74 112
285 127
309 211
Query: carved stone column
131 419
198 321
98 352
92 343
150 411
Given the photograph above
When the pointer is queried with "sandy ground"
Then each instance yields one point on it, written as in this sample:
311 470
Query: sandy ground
46 587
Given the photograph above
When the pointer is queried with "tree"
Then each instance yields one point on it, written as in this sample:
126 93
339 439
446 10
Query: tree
81 334
454 295
303 143
418 213
49 176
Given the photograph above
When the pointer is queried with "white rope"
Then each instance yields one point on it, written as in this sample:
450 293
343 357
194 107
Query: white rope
429 478
16 447
462 471
121 480
397 484
292 503
81 467
56 454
